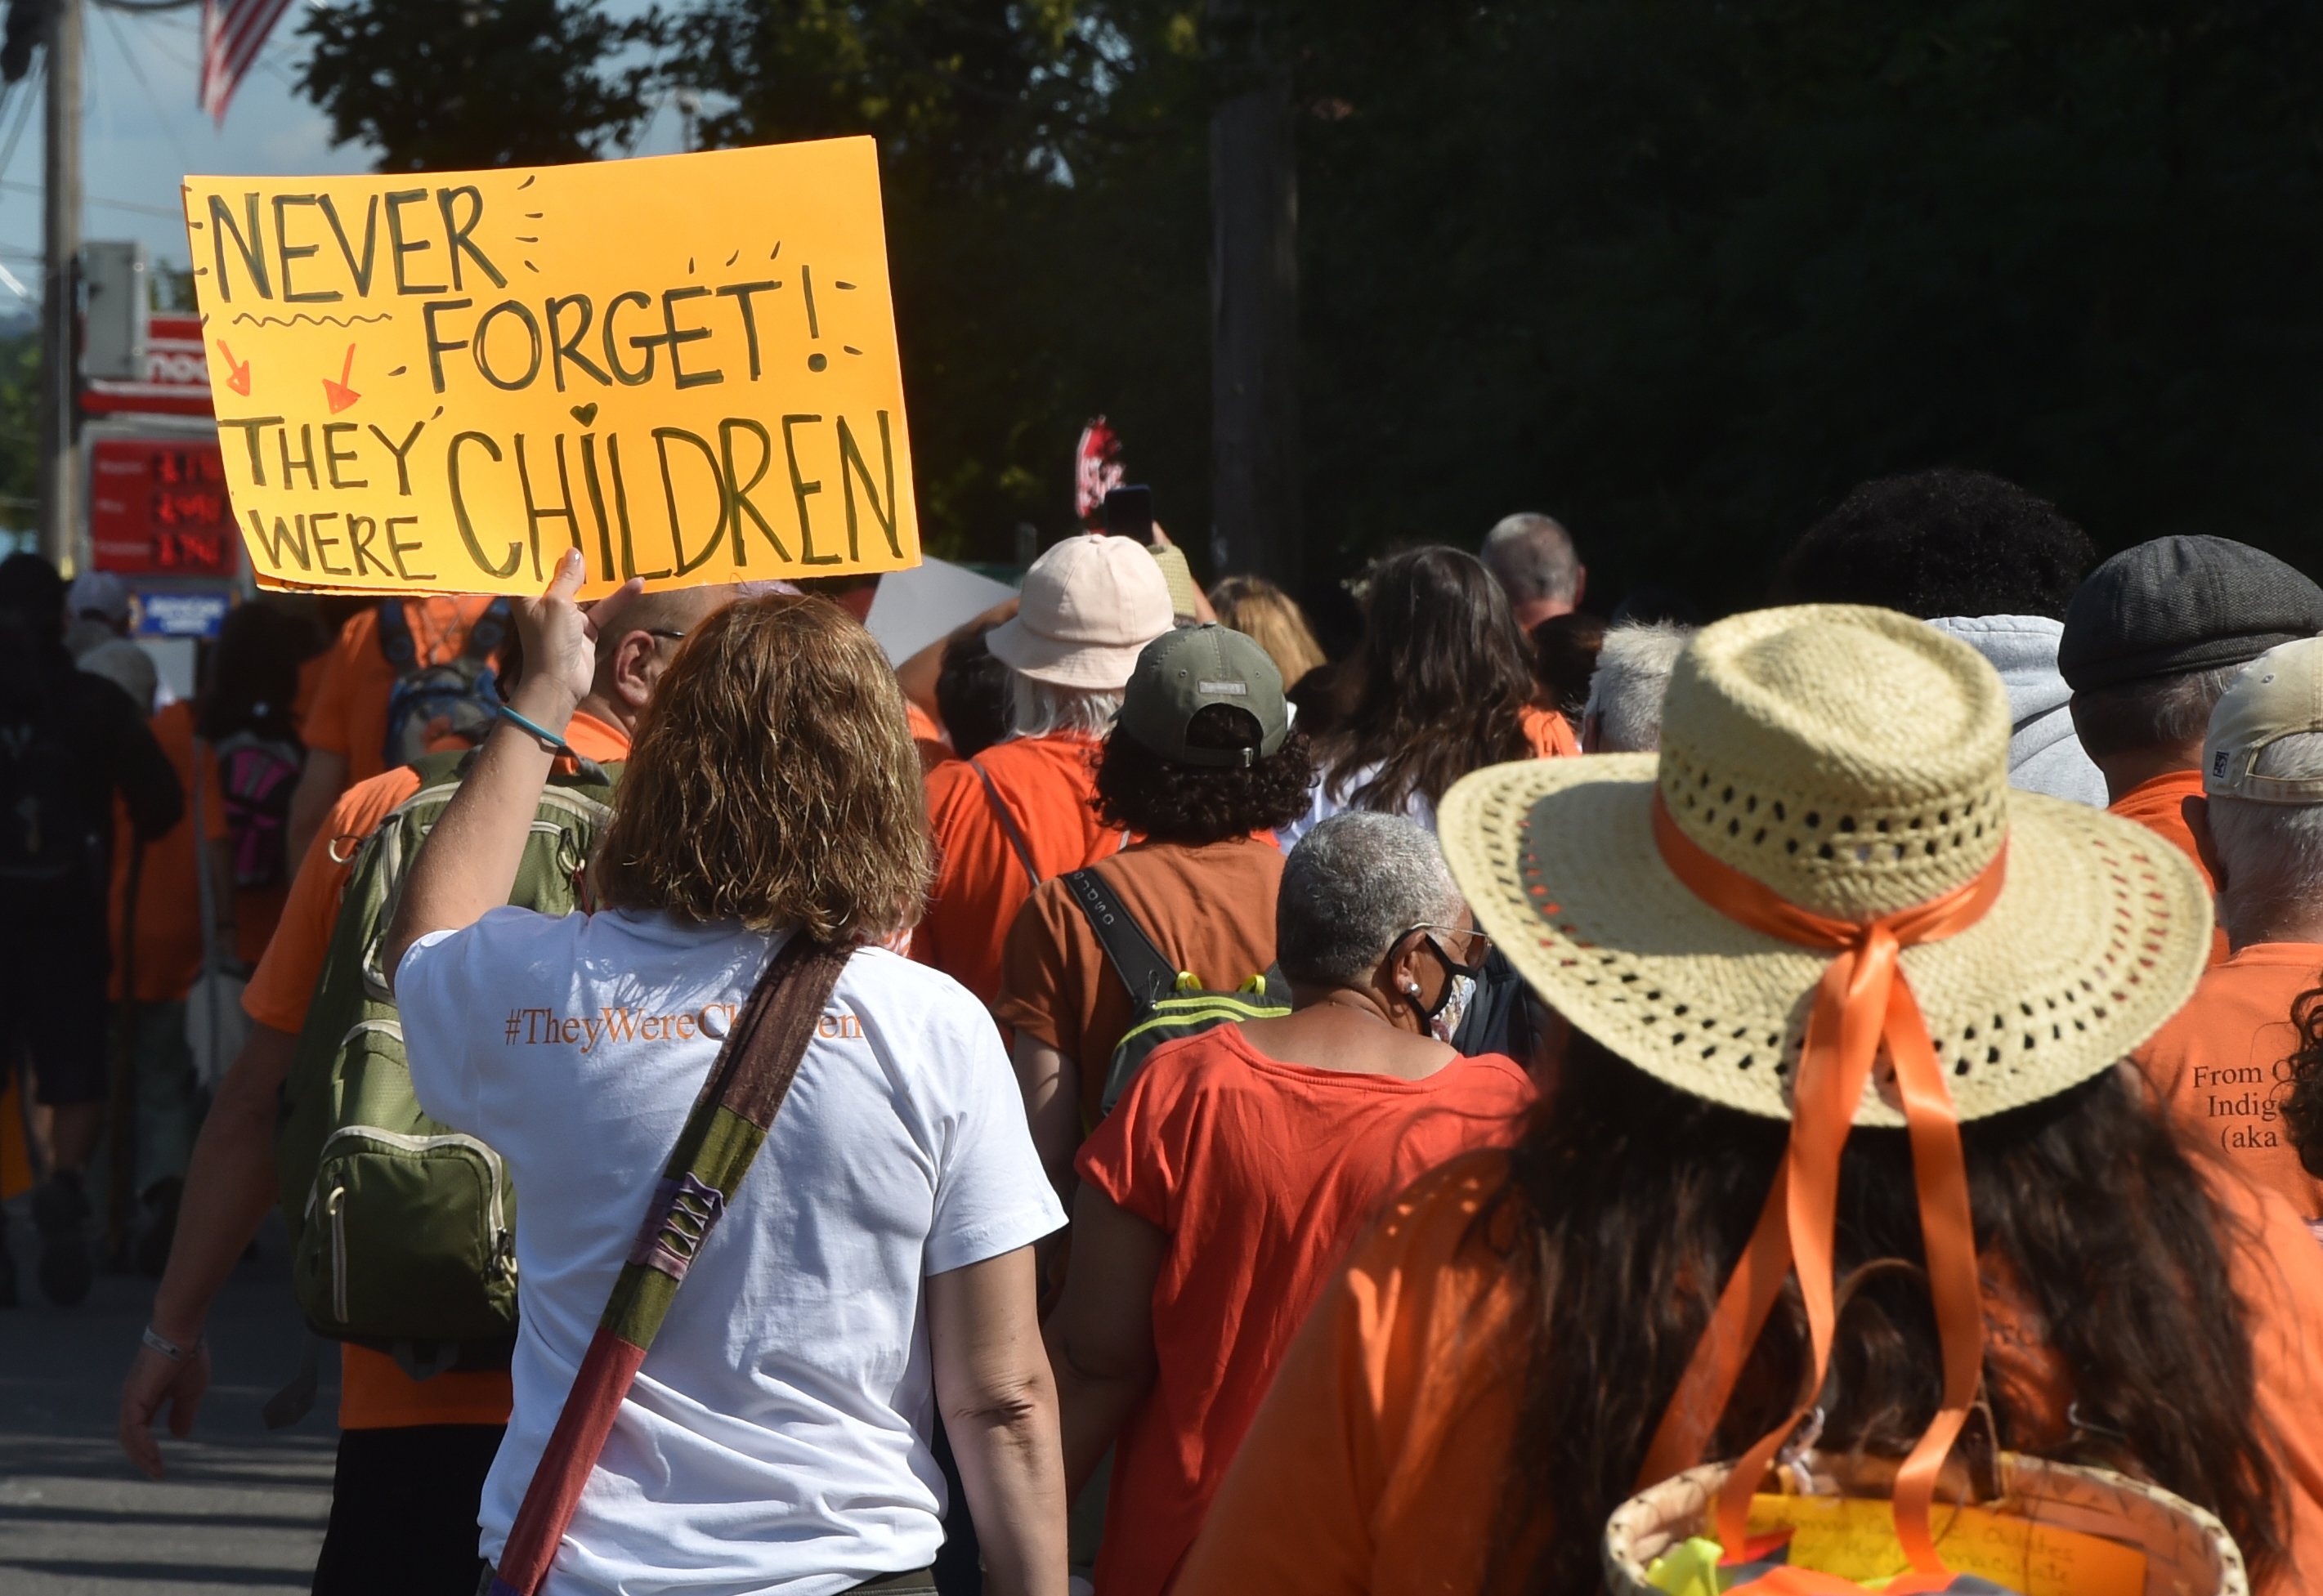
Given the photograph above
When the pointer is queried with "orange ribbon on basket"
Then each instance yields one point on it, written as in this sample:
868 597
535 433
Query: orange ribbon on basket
1862 1001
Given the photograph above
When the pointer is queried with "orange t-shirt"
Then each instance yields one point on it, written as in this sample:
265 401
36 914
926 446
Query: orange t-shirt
1375 1464
257 911
169 931
1551 733
374 1394
1048 784
1211 910
2223 1064
349 714
1260 1172
2160 806
928 736
311 673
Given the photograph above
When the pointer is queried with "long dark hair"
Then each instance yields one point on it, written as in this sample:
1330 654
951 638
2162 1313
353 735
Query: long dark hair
1446 674
2302 1111
254 674
1627 1203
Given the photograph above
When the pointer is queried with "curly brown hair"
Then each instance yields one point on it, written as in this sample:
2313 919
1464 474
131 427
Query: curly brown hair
2302 1111
773 781
1140 791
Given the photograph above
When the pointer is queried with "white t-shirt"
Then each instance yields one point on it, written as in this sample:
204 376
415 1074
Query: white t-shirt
1321 807
776 1437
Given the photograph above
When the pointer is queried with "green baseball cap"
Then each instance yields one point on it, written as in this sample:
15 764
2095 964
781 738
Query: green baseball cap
1185 670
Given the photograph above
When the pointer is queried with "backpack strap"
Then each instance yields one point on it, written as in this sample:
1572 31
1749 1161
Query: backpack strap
395 637
1007 823
745 1090
1141 964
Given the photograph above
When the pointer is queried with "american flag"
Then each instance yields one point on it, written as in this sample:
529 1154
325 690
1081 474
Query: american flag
232 32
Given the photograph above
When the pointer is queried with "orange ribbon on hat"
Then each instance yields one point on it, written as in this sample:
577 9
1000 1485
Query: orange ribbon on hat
1862 1001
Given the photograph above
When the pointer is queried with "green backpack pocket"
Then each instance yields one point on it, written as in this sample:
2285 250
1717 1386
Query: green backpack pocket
406 1232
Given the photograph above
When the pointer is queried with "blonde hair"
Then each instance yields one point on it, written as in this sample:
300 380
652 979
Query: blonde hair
1271 619
773 781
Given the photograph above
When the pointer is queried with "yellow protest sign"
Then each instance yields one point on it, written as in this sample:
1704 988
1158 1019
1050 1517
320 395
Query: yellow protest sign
683 365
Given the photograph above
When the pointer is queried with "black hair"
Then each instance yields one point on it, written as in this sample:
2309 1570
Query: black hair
1938 543
2302 1111
32 591
1627 1203
254 674
1140 791
1565 656
973 694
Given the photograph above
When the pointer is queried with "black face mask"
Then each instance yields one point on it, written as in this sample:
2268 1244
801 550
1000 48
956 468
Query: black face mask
1474 972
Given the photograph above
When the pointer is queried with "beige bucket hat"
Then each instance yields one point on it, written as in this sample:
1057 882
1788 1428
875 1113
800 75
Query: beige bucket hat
1090 604
1855 762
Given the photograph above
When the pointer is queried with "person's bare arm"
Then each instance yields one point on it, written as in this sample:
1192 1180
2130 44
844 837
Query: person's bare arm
1100 1337
319 786
918 674
1203 611
229 1186
1051 1084
468 864
999 1408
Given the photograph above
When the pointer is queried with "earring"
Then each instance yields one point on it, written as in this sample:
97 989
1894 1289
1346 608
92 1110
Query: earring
1412 988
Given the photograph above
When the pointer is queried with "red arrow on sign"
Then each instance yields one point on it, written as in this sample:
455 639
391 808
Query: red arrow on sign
239 378
340 395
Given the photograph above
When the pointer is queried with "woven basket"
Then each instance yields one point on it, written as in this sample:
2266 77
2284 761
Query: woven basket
2188 1552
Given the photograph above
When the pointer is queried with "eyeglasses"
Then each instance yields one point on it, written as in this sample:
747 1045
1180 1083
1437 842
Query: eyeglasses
659 631
1472 942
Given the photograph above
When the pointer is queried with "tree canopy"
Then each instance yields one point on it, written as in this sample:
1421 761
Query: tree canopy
1678 273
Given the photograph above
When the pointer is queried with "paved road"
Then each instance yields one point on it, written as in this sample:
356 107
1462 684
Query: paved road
242 1509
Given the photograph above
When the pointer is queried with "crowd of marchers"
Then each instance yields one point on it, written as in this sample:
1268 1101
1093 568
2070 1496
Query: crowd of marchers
1121 1098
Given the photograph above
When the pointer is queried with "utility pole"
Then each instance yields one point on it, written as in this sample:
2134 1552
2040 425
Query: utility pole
1254 459
61 485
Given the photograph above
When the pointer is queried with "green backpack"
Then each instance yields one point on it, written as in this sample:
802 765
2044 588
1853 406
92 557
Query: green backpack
402 1229
1165 1003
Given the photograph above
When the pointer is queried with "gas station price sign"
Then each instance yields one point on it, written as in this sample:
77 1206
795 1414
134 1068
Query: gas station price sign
159 508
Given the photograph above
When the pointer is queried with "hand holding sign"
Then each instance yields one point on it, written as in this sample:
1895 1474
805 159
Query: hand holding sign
683 367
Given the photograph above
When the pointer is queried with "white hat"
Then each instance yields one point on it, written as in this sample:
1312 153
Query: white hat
1090 604
2279 694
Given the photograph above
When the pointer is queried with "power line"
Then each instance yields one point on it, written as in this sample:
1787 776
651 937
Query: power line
28 95
119 205
137 71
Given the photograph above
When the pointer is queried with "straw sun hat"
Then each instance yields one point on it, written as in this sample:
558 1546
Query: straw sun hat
1855 761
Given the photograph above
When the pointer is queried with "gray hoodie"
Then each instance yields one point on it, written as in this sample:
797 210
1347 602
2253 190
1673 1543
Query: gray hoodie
2044 754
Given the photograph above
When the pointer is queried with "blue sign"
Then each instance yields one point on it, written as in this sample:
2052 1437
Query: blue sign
181 615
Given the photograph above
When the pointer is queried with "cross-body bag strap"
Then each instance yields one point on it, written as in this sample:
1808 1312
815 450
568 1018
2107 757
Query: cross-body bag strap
747 1085
1007 823
1140 964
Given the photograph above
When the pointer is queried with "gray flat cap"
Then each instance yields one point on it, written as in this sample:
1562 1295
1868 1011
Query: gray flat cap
2180 604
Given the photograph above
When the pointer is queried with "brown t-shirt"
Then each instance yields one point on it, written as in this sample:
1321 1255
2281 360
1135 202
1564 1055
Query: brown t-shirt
1211 910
